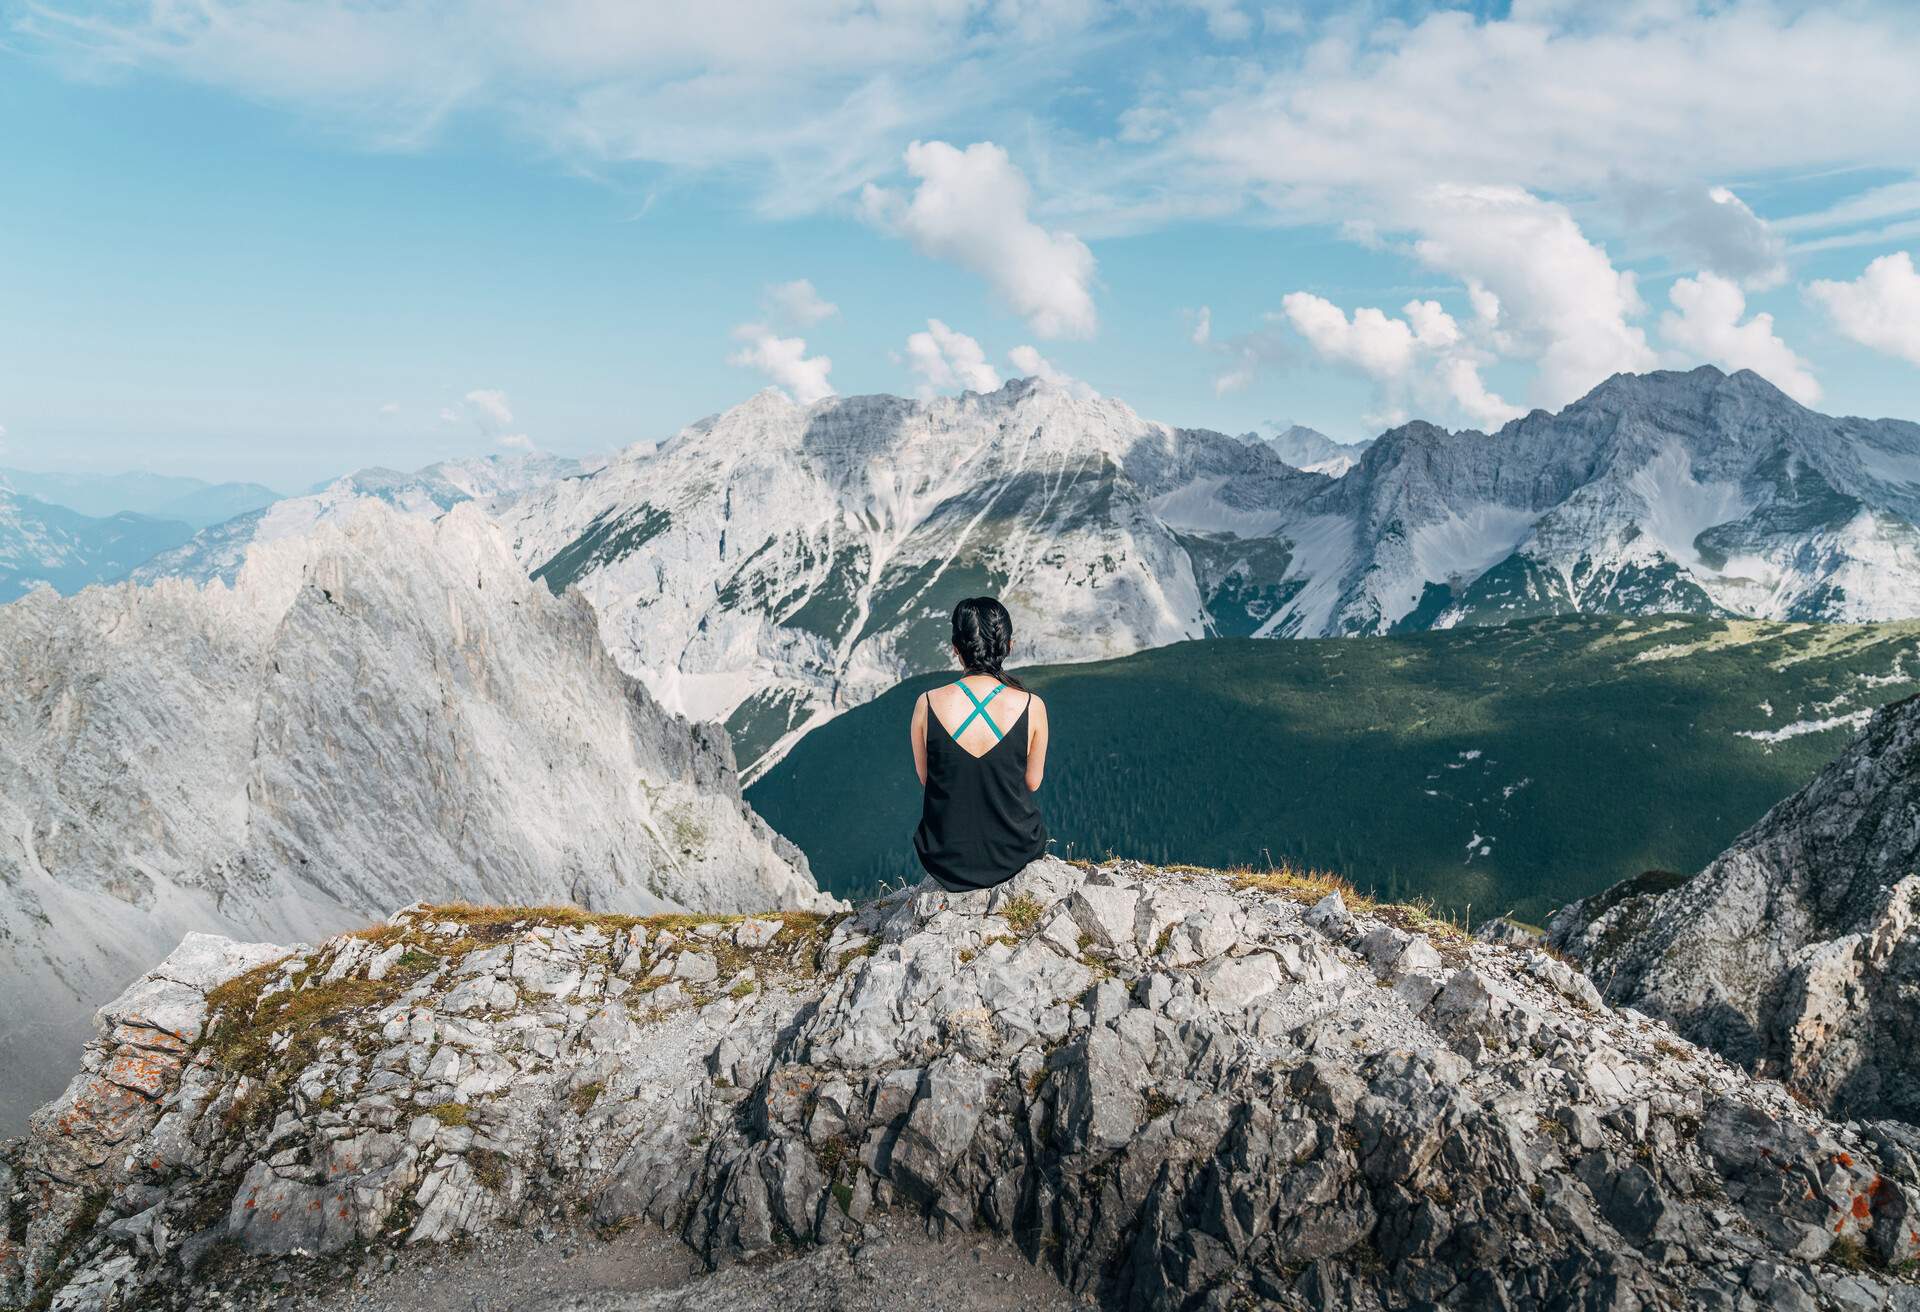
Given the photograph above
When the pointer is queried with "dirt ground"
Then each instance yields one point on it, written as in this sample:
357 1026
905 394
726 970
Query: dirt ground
897 1268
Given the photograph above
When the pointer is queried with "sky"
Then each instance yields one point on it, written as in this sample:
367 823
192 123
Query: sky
276 240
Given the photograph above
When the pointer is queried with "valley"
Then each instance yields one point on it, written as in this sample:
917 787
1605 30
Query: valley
1498 769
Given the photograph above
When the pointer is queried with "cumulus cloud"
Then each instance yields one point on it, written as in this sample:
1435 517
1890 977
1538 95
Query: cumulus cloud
784 360
971 207
1709 228
1880 309
1560 300
798 302
1424 356
515 442
390 408
1706 323
945 358
1030 363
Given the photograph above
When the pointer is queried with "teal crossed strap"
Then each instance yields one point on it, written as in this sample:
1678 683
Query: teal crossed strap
979 711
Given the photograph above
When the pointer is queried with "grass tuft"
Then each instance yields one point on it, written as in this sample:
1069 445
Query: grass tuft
1022 912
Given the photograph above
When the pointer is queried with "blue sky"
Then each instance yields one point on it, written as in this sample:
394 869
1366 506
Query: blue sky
280 240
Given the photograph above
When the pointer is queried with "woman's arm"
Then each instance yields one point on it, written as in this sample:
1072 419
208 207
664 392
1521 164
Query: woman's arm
918 733
1036 745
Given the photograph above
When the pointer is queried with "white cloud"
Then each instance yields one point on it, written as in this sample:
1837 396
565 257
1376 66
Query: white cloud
1880 309
1564 99
806 99
1560 300
1423 357
785 361
1202 332
1876 204
1370 341
490 408
1706 323
516 442
971 207
448 415
1030 363
945 358
799 303
390 408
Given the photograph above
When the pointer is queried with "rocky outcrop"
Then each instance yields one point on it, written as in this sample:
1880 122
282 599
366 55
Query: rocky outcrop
381 709
1797 951
1171 1090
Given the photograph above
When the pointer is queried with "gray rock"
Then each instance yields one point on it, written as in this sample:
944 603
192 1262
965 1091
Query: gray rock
1793 951
1264 1122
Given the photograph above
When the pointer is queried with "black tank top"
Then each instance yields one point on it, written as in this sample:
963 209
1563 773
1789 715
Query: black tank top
978 823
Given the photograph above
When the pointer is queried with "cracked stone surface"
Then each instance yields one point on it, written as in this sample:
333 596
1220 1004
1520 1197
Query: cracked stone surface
1797 951
1283 1102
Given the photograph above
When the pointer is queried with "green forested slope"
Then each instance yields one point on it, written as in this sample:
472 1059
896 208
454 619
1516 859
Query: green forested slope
1509 768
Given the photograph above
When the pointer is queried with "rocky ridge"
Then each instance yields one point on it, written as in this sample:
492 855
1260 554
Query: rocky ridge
1171 1089
379 709
1797 951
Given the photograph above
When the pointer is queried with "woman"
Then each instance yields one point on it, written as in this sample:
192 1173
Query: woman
980 745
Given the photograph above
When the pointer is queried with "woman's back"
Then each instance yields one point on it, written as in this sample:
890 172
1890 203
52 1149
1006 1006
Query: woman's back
979 824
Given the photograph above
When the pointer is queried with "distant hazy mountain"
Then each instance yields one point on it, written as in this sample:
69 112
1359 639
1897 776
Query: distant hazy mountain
41 543
217 552
193 501
777 564
379 710
1309 449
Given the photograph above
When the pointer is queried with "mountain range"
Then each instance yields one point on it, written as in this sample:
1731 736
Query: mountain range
192 501
1311 450
378 710
777 564
46 545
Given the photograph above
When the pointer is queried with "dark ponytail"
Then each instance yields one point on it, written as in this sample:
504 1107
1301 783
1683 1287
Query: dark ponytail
982 634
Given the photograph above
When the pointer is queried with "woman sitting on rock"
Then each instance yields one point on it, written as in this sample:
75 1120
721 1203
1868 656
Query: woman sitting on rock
980 746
